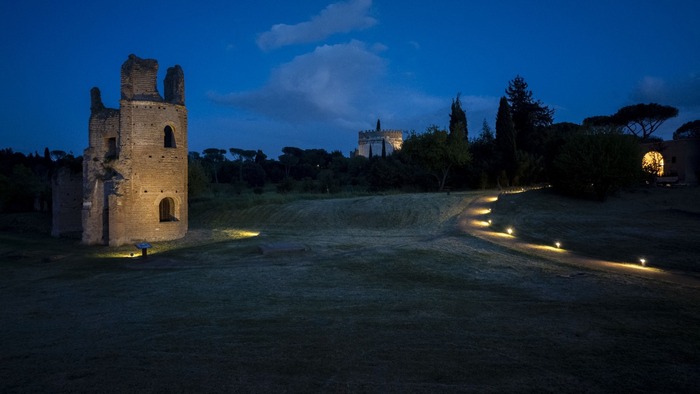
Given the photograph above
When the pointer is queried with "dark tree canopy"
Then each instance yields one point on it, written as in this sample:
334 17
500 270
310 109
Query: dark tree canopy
602 125
260 157
505 138
597 164
379 125
436 152
241 155
486 133
214 157
458 119
214 154
643 120
526 110
688 130
530 117
485 158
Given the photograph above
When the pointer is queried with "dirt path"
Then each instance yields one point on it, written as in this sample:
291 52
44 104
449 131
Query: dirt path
474 221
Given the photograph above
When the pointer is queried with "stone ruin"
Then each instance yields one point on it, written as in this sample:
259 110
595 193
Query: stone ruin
134 179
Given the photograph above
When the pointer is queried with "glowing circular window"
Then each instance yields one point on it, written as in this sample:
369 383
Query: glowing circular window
653 163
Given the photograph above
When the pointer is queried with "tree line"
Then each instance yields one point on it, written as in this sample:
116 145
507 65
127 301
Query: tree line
25 180
592 159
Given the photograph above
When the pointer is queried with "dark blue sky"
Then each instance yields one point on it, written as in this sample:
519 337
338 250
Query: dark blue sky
267 74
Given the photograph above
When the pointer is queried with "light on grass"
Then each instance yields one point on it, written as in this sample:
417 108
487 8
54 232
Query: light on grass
547 248
240 234
119 255
490 222
480 223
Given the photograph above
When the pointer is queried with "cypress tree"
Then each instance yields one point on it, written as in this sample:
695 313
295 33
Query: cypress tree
506 138
458 119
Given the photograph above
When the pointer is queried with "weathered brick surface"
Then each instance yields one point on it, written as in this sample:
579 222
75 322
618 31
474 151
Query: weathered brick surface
129 168
66 200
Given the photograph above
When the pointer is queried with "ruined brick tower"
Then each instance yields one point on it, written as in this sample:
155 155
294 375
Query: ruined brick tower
135 167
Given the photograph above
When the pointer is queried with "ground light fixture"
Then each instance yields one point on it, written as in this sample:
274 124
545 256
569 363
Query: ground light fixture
490 222
509 230
643 261
557 244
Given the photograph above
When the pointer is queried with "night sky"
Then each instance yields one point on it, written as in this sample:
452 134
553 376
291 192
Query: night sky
266 74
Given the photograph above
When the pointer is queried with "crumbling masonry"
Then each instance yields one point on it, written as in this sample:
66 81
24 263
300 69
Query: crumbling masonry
135 167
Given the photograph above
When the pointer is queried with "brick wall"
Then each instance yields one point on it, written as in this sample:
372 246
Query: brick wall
128 167
67 199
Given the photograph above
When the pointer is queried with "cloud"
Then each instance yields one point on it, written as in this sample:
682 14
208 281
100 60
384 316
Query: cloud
330 83
682 92
324 97
342 17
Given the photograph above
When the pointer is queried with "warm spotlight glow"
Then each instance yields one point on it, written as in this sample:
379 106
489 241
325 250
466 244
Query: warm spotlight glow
509 230
490 222
240 234
500 235
484 211
636 267
643 262
491 199
119 254
480 223
653 163
546 248
557 244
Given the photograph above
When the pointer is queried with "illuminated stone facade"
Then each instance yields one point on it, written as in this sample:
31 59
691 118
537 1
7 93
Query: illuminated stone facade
681 159
393 139
135 167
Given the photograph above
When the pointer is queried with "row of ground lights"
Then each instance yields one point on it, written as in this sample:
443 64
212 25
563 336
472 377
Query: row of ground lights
510 231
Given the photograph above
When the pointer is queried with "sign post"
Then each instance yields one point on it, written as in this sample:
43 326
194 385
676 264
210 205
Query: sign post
144 246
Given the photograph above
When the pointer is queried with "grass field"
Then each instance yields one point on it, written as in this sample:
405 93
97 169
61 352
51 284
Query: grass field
389 296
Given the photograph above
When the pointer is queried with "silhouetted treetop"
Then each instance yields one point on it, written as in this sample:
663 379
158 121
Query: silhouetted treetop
643 120
688 130
458 119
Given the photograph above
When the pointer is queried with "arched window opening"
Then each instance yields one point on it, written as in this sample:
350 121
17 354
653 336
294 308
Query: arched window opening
111 145
167 210
169 137
653 163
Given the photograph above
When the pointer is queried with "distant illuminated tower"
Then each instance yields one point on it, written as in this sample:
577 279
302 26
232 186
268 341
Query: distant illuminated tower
373 140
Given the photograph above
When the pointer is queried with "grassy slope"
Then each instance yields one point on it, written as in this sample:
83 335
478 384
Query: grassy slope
388 298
